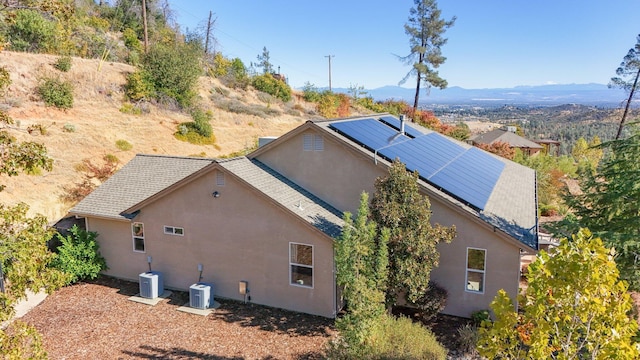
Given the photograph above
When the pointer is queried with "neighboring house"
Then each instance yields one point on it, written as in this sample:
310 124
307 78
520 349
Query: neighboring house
507 135
269 218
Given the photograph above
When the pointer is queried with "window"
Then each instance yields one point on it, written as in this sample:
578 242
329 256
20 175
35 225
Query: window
171 230
312 142
301 264
137 230
476 259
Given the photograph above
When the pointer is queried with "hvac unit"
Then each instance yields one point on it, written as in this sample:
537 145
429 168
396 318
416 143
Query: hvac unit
151 284
201 295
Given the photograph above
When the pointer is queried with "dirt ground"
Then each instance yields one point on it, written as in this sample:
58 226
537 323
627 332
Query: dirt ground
95 320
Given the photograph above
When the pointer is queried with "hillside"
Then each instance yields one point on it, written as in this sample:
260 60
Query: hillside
98 123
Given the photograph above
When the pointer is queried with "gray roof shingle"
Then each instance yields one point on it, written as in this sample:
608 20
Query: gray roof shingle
147 175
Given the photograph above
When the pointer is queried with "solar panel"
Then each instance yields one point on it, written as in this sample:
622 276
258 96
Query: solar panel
468 174
370 133
427 154
395 123
471 177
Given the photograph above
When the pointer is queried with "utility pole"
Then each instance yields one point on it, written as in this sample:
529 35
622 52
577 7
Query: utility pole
329 56
206 44
144 22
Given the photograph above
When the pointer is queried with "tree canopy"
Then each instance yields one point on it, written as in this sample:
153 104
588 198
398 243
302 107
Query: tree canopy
627 77
575 307
398 205
609 204
425 28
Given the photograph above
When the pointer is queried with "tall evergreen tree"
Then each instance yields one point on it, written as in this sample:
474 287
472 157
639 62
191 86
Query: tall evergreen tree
627 78
425 28
609 204
398 205
265 61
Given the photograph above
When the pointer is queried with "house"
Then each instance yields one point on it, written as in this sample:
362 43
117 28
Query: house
507 135
269 218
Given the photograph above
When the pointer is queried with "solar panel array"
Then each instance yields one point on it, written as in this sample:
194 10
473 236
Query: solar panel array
467 174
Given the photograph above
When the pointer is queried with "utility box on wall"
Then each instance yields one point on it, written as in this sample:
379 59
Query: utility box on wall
151 284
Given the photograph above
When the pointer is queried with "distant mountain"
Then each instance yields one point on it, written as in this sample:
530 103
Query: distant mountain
589 94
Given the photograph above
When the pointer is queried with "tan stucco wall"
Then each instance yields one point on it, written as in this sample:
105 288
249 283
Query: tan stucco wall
238 236
335 175
339 174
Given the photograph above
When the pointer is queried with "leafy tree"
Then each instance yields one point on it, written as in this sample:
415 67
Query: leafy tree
31 32
265 61
627 78
425 28
174 71
588 154
398 205
79 255
361 267
272 86
609 204
574 307
499 148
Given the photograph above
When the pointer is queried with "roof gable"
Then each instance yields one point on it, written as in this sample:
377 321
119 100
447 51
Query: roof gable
513 139
149 176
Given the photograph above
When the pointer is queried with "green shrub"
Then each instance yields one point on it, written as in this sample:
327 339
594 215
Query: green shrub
392 338
30 31
310 93
138 86
432 302
63 63
69 128
268 84
478 317
201 121
192 136
5 80
129 108
123 145
56 92
174 71
79 255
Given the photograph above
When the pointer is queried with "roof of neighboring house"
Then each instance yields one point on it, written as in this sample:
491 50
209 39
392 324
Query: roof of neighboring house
457 171
148 176
511 138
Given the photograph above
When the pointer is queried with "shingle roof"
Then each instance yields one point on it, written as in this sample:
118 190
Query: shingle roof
514 140
141 178
147 175
512 204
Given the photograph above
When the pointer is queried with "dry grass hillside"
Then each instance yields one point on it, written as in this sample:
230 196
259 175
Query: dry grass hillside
99 123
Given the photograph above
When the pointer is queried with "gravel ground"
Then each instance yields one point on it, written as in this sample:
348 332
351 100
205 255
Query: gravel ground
97 321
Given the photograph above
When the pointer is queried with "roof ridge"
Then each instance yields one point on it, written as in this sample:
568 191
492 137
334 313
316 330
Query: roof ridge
175 157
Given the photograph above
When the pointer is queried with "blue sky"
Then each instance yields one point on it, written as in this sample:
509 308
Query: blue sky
494 43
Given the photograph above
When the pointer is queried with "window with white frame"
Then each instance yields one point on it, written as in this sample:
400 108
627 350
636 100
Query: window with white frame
172 230
476 261
311 142
137 230
301 264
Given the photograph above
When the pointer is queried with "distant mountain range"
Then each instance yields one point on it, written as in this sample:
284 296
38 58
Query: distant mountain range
588 94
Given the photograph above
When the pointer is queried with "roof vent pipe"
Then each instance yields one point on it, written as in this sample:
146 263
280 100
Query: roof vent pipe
401 124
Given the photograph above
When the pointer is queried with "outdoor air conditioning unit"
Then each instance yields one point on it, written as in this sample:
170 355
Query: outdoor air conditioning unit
201 295
151 284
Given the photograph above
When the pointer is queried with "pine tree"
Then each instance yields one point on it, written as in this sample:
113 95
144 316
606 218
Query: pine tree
627 78
425 28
